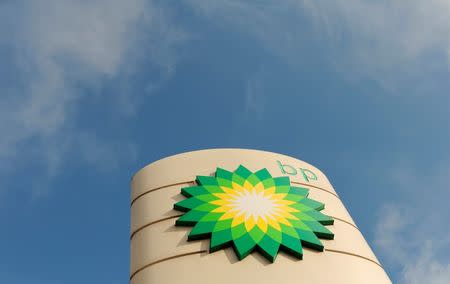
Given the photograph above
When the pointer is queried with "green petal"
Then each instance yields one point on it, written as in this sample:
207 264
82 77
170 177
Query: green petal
238 179
207 197
256 234
320 217
206 180
313 204
282 184
320 230
294 197
211 217
193 191
224 182
243 172
187 204
298 224
301 207
190 218
282 181
302 216
238 231
299 191
223 225
292 245
220 239
243 246
263 174
269 248
289 231
201 230
274 234
268 183
207 207
223 174
214 188
310 240
253 179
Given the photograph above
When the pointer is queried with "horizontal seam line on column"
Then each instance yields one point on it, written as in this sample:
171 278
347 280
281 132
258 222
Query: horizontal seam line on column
313 186
191 181
347 222
203 251
179 215
165 259
153 222
155 189
353 254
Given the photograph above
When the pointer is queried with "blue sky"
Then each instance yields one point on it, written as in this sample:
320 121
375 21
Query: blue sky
91 91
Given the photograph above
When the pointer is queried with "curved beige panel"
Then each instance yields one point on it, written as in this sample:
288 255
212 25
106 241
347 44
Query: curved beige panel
222 268
146 245
158 204
185 167
160 252
155 206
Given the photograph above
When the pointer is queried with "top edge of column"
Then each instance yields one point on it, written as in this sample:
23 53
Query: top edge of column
155 163
212 158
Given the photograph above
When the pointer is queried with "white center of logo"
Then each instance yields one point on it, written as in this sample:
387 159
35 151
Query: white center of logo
253 204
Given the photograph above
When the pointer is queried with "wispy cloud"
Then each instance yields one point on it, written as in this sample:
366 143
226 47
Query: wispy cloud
255 95
426 269
395 43
412 232
52 51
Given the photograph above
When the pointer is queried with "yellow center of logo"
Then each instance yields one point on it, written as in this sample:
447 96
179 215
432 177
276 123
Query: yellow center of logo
254 205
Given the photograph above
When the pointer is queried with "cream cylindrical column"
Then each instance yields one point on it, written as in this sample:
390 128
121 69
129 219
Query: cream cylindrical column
161 253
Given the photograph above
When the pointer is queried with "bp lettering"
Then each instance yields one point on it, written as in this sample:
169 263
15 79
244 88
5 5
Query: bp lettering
306 174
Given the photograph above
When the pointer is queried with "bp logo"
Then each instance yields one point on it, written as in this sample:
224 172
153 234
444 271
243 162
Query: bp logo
253 211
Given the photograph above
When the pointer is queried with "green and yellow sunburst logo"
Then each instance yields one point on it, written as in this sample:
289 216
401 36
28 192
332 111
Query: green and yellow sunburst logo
253 211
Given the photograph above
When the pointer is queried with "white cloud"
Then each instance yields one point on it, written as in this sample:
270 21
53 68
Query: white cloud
426 269
54 47
395 43
255 96
412 232
388 40
59 45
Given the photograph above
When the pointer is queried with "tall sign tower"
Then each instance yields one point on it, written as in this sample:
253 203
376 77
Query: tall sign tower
243 216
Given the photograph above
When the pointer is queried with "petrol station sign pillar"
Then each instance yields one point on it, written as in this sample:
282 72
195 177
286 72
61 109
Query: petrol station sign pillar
243 216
